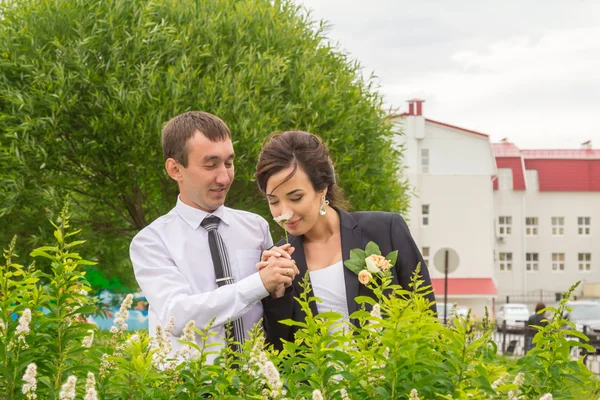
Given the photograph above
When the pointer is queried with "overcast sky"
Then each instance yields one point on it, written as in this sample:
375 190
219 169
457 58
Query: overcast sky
526 70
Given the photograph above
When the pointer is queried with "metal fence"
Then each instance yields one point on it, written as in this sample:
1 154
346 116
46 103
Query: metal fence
517 341
532 298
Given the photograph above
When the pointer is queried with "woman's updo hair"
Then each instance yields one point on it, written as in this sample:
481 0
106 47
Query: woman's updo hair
298 148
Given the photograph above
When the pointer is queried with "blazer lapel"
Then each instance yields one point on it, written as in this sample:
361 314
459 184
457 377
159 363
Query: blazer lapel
300 258
351 239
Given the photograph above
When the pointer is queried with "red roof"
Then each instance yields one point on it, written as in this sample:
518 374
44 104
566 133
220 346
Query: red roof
583 154
465 286
558 170
516 164
458 128
566 175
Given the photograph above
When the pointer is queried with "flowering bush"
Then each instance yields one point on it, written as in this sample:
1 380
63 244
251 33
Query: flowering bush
396 350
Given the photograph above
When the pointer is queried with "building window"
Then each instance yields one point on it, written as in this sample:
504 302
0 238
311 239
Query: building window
505 178
558 226
558 261
426 255
425 161
585 261
531 226
533 182
504 226
425 214
583 225
532 262
505 261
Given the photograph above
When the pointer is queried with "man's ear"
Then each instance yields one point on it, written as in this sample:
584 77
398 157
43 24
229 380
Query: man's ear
174 169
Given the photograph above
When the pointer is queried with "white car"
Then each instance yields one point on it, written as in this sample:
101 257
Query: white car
514 314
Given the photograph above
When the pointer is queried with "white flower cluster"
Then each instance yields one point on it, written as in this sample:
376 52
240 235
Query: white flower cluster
499 382
376 313
518 381
22 329
414 395
547 396
2 328
90 387
88 340
317 395
344 394
106 364
187 352
30 385
261 366
67 391
122 315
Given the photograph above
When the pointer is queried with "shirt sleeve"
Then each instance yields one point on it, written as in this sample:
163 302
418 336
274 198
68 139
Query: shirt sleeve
170 294
267 238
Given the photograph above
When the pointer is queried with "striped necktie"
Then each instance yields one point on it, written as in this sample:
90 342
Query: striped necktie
223 274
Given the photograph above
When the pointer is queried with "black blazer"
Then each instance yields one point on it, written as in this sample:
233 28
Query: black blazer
388 230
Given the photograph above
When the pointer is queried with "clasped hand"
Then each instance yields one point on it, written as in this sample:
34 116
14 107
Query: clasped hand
277 269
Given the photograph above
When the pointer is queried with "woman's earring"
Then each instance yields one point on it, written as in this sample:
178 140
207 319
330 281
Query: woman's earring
324 204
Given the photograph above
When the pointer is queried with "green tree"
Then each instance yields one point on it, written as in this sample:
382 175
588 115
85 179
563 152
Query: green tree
86 86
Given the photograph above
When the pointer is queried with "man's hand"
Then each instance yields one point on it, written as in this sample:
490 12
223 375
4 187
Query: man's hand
285 251
277 273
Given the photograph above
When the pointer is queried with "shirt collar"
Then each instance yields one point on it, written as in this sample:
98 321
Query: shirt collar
194 216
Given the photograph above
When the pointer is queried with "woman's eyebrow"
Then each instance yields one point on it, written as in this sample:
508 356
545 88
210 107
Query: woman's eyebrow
293 191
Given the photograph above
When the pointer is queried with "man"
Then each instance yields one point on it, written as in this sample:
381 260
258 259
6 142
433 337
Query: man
190 266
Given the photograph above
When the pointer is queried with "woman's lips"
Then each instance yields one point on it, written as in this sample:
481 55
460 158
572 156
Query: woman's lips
292 225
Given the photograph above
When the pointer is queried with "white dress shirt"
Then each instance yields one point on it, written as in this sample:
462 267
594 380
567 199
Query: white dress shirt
173 266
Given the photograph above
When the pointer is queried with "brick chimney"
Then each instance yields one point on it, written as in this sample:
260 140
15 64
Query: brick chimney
415 107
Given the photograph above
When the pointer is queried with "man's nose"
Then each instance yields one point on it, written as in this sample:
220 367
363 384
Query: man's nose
223 177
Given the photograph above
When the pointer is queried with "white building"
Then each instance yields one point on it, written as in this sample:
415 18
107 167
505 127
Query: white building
524 222
547 209
451 170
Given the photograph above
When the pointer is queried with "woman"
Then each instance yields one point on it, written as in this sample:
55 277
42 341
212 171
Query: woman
297 176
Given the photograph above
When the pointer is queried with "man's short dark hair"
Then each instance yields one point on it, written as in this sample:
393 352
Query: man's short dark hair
180 129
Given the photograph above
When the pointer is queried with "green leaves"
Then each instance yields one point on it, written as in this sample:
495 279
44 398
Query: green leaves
372 248
396 346
86 87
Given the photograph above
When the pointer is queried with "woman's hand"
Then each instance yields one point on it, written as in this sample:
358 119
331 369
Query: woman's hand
285 251
279 260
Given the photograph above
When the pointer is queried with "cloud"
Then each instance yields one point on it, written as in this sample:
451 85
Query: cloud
526 70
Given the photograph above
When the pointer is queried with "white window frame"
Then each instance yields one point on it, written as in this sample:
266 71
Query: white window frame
505 261
425 214
531 226
584 262
558 262
584 226
425 161
532 262
504 225
558 226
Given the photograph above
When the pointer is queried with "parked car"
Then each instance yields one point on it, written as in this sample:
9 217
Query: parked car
515 315
585 314
461 311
